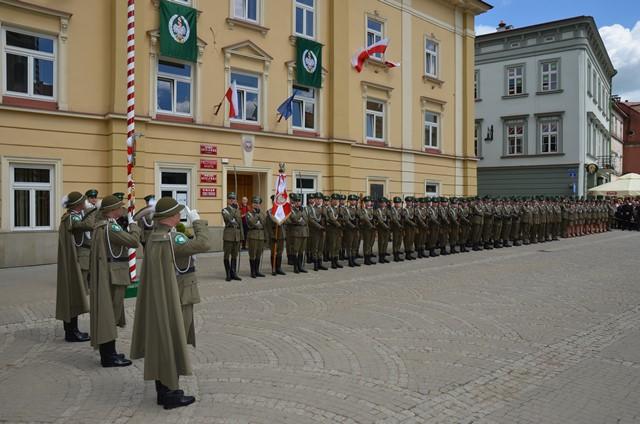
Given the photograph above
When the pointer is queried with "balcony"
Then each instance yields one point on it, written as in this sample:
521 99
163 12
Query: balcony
610 164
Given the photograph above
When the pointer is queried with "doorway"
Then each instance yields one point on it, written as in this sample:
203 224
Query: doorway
249 184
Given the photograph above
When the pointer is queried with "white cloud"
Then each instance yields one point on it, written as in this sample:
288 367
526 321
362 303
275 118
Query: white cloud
623 45
484 29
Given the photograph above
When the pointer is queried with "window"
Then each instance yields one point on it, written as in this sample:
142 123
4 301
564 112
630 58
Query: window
589 91
304 108
431 189
176 183
29 64
246 10
375 33
431 58
594 138
431 130
477 139
476 85
515 80
594 80
589 150
174 88
515 138
305 18
305 185
31 200
375 120
248 97
549 76
599 93
549 135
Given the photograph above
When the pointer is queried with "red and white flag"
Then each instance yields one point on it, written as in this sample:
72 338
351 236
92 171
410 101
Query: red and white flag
232 96
281 207
357 61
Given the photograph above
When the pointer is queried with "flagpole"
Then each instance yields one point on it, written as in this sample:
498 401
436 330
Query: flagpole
131 115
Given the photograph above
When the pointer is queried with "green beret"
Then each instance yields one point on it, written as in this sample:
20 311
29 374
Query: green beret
383 200
231 195
367 198
335 196
397 199
119 195
74 198
167 207
311 196
256 199
343 197
110 203
352 197
422 200
325 198
408 198
319 195
92 192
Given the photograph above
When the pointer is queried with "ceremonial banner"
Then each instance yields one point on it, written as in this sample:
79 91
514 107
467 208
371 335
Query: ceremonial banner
308 62
178 31
281 207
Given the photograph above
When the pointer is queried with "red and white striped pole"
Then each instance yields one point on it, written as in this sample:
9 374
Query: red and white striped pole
131 120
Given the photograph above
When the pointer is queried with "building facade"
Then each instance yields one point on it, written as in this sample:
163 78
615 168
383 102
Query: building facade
619 123
631 133
542 109
399 131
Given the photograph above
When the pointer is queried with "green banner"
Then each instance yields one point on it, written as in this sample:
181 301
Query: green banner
308 62
178 31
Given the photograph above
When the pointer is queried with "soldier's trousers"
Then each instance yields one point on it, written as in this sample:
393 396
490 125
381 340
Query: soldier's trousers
256 247
476 233
314 243
299 244
526 232
506 230
339 239
383 241
409 238
230 249
454 235
535 232
421 239
432 237
564 228
349 240
332 247
487 231
397 241
497 230
443 239
465 230
367 241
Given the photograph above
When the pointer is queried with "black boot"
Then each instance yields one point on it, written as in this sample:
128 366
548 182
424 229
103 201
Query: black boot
367 260
227 270
433 253
350 262
321 267
309 259
110 358
420 255
382 260
338 265
233 267
161 391
296 265
356 264
396 257
373 262
315 264
176 399
257 266
279 270
71 332
444 251
334 262
252 266
290 260
301 263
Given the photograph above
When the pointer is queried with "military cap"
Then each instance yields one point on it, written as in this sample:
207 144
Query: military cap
352 197
110 203
422 200
383 200
166 207
367 198
325 198
311 196
149 197
119 195
335 196
408 198
343 197
397 199
293 197
92 192
74 198
319 195
256 199
231 195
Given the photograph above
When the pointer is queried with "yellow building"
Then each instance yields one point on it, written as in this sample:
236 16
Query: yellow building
391 131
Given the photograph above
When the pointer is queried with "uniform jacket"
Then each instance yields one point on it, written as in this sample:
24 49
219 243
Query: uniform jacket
255 223
232 224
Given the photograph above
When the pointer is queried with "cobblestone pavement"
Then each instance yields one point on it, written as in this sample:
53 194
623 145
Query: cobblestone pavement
546 333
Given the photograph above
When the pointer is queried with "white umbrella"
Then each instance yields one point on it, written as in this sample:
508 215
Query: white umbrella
627 185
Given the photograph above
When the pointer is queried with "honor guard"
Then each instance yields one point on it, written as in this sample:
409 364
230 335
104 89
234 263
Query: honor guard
255 236
231 237
275 238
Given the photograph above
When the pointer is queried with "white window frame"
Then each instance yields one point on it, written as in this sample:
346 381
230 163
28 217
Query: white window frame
376 115
515 138
515 78
589 91
246 10
31 55
431 57
377 35
305 8
32 188
242 104
174 188
549 133
305 191
175 79
549 72
428 144
432 193
304 101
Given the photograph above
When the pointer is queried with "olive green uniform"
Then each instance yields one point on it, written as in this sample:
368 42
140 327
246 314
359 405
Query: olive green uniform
383 230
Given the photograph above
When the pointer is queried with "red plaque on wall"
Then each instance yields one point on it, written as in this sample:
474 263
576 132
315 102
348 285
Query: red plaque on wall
208 178
208 149
208 164
208 192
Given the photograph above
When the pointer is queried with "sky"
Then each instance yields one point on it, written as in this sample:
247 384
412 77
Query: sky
618 22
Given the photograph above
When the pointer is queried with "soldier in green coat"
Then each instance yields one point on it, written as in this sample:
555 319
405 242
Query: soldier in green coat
255 236
109 275
298 230
158 332
507 222
498 214
434 226
476 212
89 220
350 230
275 236
527 221
316 230
443 220
333 228
487 223
71 294
381 220
422 228
367 226
231 237
408 227
394 214
454 225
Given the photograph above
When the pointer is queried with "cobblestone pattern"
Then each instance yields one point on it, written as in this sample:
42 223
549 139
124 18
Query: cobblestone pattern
546 333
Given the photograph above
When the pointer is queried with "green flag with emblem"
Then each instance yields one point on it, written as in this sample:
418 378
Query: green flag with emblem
308 62
178 31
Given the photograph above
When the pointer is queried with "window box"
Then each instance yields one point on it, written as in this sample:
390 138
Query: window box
515 96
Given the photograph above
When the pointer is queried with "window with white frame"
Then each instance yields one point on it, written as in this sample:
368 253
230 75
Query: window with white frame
589 91
375 33
305 185
589 146
431 130
549 75
594 80
304 108
305 18
431 189
30 64
376 190
247 10
515 80
476 84
248 87
375 117
430 58
31 196
174 87
515 137
549 135
176 183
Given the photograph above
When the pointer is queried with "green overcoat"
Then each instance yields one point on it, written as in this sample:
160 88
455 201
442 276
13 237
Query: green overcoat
158 328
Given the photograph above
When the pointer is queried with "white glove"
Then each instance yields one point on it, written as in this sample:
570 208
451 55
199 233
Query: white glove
130 219
193 215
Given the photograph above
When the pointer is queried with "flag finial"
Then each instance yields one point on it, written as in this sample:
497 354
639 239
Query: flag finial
281 167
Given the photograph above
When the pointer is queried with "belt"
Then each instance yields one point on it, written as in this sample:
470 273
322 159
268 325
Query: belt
117 259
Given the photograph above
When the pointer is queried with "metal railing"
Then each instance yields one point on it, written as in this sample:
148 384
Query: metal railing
609 163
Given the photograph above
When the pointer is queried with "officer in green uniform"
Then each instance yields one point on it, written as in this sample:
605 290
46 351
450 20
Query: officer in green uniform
333 227
408 228
395 222
255 236
275 236
326 202
231 237
527 221
349 215
443 220
487 225
476 213
299 229
433 224
420 216
507 222
381 220
516 221
316 230
366 223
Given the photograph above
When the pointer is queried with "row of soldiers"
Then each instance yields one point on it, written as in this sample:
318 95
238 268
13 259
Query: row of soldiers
332 228
94 239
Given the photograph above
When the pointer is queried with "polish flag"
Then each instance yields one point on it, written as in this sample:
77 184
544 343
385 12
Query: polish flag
391 64
281 207
357 61
232 96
